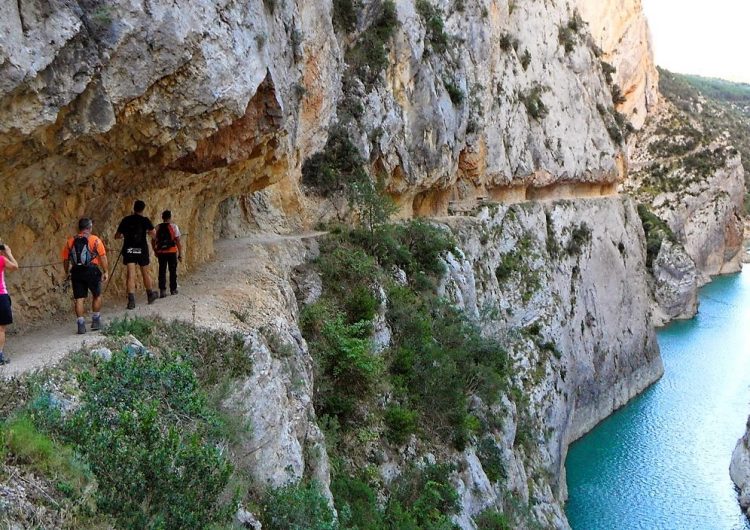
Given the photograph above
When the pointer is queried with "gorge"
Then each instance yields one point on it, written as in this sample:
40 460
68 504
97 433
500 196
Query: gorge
530 134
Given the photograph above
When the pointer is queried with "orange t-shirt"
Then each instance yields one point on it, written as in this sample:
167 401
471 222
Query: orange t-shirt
96 247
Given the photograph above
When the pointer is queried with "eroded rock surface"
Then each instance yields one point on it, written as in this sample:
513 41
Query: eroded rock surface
187 107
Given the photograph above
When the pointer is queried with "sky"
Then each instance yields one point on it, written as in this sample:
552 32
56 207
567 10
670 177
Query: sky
704 37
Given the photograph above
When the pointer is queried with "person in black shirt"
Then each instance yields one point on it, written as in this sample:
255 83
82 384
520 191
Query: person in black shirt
137 230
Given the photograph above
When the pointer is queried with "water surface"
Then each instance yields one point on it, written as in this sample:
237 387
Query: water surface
662 461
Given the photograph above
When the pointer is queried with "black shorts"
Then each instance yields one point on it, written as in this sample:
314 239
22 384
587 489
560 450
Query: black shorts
139 256
86 279
6 315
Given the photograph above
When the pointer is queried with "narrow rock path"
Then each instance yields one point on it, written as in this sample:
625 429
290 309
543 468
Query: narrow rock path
220 294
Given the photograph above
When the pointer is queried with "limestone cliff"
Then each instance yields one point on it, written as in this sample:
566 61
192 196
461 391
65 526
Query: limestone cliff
188 107
739 470
620 30
582 270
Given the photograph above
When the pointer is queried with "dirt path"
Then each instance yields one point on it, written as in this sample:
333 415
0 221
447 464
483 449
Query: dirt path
216 295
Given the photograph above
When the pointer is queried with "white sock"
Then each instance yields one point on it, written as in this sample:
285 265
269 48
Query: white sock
95 315
81 320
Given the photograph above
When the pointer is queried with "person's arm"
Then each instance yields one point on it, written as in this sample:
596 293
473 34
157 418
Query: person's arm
10 262
179 248
105 267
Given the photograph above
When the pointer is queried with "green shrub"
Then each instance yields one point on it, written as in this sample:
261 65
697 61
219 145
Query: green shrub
339 163
580 237
369 55
567 38
401 423
22 441
526 59
454 92
297 507
423 498
344 15
139 327
491 458
534 104
656 231
361 305
506 42
434 24
492 520
213 355
347 368
145 429
356 503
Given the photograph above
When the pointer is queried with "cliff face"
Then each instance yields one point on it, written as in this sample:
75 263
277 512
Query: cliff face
581 269
619 28
186 108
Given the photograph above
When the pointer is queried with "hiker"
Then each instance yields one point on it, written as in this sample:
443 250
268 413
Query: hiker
135 229
83 255
7 261
168 250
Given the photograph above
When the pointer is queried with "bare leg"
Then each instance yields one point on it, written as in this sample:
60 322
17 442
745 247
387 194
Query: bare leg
96 304
146 278
131 278
2 337
78 305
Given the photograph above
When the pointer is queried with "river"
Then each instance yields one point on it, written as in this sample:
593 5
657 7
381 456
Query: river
662 461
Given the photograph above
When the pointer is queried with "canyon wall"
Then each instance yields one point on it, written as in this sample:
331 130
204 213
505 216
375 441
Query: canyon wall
620 29
188 107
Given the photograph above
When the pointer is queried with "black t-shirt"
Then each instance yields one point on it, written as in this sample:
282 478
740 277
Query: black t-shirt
134 229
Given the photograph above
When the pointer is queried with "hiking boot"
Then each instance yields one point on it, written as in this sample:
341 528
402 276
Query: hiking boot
96 323
81 327
3 359
173 291
131 301
152 296
162 293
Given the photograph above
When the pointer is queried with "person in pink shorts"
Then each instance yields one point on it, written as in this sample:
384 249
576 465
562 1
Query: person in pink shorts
7 262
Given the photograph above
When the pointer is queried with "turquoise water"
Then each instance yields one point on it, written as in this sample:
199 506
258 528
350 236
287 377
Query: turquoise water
662 462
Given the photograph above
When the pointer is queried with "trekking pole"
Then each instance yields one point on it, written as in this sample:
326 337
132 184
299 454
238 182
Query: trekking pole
114 267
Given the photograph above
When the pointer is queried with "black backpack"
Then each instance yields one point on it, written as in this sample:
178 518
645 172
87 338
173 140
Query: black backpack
164 239
80 254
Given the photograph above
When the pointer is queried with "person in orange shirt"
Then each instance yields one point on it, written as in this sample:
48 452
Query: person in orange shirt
83 255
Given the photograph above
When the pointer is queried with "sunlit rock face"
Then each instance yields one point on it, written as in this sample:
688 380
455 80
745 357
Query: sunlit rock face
620 30
188 107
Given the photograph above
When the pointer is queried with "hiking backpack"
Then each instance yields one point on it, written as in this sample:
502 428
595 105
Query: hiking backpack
164 238
80 254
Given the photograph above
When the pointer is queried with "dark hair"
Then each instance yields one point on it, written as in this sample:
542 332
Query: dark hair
139 206
166 215
85 223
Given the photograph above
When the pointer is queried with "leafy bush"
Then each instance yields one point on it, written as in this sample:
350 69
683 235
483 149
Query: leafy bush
656 231
491 458
299 506
347 368
25 444
580 236
139 327
434 24
454 92
214 356
339 163
369 56
492 520
526 59
423 498
401 423
356 503
534 104
145 429
344 15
